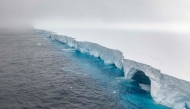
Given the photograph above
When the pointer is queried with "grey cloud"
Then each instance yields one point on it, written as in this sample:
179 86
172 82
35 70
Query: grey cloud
116 10
15 13
23 12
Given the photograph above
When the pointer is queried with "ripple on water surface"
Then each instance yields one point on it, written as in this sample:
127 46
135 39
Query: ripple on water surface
34 74
127 92
39 73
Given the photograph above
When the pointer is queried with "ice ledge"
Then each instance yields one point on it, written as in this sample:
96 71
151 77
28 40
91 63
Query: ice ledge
165 89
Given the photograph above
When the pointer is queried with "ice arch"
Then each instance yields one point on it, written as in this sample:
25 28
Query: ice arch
141 78
165 89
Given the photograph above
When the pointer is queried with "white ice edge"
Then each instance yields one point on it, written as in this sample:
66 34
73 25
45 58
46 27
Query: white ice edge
165 89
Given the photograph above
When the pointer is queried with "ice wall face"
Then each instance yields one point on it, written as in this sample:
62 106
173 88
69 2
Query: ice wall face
109 56
166 90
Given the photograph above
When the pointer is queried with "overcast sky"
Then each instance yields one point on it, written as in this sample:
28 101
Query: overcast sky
81 13
114 19
138 14
117 10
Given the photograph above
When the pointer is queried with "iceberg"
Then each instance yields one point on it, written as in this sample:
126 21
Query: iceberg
164 89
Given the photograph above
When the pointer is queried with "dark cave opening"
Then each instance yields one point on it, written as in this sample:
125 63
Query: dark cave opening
141 78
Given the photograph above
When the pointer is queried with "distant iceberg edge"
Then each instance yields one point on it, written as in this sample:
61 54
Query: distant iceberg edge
165 89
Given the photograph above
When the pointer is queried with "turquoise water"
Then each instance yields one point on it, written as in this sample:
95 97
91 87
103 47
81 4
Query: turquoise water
37 73
34 74
127 92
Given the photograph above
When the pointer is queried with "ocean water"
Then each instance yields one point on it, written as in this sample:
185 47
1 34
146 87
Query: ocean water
128 93
38 73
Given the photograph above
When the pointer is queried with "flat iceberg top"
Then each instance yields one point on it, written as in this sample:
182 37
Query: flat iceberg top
164 51
164 89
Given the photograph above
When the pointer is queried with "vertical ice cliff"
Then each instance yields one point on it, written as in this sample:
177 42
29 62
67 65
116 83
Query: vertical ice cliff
165 89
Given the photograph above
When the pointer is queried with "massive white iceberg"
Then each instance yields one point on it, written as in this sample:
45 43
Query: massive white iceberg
165 89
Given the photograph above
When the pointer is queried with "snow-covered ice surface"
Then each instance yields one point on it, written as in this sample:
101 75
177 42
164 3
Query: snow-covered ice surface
161 50
165 88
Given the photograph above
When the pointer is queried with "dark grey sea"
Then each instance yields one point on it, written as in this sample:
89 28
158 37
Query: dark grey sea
38 73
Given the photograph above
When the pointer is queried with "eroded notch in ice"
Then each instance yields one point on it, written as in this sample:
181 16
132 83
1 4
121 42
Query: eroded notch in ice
164 89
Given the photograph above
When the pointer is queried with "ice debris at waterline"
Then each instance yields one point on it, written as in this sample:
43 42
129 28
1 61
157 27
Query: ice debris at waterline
165 89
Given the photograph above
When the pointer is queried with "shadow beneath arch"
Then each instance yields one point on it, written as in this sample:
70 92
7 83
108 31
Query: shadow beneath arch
141 78
143 81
